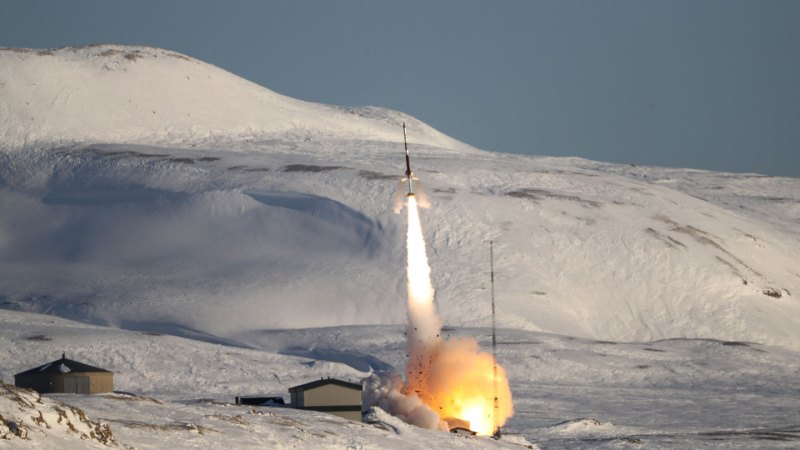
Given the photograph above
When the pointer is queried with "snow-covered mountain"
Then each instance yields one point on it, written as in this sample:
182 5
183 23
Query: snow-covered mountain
145 190
142 189
105 93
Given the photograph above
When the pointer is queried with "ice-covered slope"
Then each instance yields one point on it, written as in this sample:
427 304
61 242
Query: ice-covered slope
106 93
280 231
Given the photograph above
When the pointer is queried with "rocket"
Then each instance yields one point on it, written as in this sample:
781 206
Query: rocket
409 173
409 185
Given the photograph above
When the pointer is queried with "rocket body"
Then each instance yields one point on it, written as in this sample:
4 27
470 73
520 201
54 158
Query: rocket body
409 186
409 173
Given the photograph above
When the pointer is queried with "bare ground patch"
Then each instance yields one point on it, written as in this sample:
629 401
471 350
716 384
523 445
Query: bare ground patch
704 238
372 175
542 194
249 168
666 239
310 168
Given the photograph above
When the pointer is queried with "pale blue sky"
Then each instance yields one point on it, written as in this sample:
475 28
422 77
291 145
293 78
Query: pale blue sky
696 83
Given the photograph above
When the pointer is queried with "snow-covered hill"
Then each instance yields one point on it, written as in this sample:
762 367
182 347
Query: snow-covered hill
275 213
105 93
286 234
145 190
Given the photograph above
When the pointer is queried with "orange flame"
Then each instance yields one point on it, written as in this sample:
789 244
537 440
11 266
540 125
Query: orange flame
453 377
460 385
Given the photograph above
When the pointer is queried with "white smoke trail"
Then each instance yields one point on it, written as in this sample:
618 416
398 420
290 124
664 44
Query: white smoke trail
423 323
448 382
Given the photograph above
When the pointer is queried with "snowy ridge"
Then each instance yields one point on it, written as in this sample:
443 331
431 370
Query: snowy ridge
114 94
27 417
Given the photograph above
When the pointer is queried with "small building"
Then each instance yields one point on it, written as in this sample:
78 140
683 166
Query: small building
338 397
463 431
260 401
459 426
66 376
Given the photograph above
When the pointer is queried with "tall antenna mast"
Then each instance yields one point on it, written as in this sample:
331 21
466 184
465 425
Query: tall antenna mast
496 428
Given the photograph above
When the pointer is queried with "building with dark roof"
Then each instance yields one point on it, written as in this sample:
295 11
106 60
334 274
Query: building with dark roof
66 376
330 395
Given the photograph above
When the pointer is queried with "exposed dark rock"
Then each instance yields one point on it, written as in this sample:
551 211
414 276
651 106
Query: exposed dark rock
310 168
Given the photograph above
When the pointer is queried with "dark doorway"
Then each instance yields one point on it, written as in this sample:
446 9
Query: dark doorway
76 385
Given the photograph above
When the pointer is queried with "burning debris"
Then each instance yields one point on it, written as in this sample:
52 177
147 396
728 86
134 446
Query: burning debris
449 383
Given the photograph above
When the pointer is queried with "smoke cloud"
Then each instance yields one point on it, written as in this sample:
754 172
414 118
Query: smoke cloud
449 382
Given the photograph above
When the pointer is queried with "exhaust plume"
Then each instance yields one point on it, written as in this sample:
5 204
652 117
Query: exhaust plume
449 382
400 195
423 323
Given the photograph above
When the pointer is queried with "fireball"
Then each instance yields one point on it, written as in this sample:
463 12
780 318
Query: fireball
452 377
